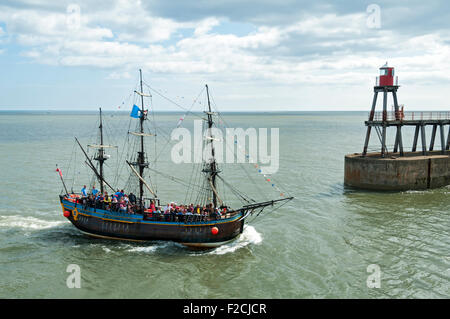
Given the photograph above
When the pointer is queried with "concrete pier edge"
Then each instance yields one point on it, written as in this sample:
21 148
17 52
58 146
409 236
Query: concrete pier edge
413 171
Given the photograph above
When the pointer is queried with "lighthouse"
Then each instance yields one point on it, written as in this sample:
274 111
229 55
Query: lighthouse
385 84
392 167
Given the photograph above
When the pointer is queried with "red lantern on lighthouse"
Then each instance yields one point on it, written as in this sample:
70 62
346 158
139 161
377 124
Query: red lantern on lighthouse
386 77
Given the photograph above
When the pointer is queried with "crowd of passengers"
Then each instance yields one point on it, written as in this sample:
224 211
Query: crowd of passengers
121 202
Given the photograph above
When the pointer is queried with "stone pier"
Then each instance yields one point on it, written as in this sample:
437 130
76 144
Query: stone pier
412 171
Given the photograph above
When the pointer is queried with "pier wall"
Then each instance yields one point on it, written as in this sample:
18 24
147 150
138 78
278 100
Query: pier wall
411 172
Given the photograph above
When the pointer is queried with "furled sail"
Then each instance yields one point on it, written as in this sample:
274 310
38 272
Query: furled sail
101 146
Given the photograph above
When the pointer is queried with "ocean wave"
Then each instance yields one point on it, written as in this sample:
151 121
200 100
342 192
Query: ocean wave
417 192
29 222
150 248
106 249
249 236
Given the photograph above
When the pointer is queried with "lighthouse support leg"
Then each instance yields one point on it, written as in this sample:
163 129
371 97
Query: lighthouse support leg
441 127
424 143
383 137
416 137
433 137
397 113
383 142
448 139
369 128
398 141
398 138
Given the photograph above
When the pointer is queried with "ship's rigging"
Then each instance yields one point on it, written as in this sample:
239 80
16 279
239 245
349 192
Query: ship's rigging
205 184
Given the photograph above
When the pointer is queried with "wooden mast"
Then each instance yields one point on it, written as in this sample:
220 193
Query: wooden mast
141 154
101 157
213 165
91 166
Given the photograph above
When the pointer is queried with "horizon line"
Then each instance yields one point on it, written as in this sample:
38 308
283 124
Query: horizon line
238 111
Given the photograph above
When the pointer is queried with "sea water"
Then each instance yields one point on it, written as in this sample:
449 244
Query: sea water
319 245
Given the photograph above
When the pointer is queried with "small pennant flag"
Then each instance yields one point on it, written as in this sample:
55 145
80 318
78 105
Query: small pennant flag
59 171
180 121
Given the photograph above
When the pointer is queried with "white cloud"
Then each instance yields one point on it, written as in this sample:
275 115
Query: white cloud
132 23
317 50
206 25
119 75
102 41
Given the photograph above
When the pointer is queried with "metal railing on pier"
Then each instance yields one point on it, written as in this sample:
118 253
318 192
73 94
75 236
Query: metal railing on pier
410 116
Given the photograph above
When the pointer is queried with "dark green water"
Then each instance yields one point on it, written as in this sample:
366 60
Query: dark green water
317 246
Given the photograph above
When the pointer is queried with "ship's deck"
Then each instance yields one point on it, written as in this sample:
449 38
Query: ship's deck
138 218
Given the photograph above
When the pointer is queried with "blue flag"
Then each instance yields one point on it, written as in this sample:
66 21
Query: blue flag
135 111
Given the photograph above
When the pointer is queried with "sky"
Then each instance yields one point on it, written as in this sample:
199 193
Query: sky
256 55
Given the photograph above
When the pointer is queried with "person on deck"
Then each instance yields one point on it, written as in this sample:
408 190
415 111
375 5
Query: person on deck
114 204
99 199
157 213
84 191
210 210
132 198
122 206
90 201
188 216
218 214
196 214
107 201
167 215
167 208
173 214
94 190
180 216
152 206
204 215
130 209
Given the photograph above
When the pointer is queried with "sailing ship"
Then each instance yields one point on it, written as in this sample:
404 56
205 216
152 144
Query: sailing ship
201 228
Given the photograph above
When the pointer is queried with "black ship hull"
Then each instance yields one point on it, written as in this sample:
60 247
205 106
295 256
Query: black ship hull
115 225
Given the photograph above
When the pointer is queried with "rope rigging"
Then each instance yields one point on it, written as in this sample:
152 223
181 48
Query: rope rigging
200 188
